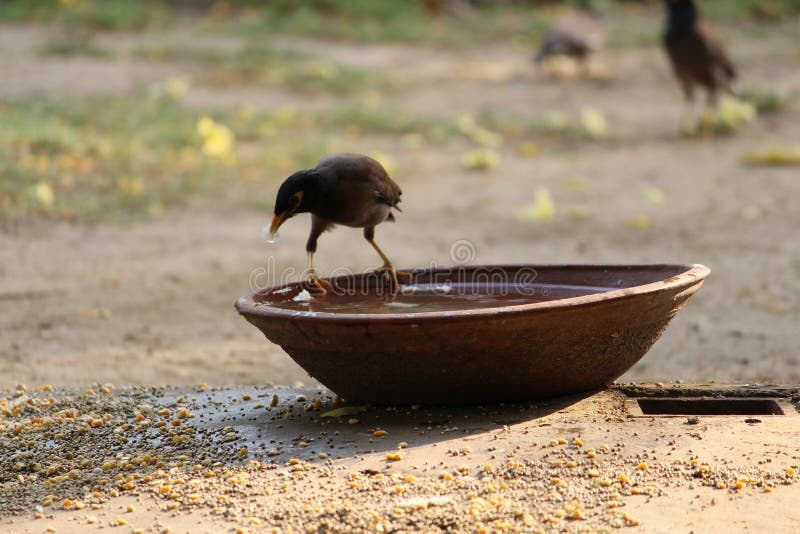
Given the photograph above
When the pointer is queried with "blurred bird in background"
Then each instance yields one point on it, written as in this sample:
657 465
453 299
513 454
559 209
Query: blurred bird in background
349 189
697 57
576 36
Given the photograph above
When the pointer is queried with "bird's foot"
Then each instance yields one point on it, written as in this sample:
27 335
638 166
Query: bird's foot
316 284
392 277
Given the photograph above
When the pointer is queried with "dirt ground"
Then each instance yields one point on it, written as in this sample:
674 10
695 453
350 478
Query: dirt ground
151 302
258 459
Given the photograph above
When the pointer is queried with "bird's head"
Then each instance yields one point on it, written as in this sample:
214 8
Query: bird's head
292 197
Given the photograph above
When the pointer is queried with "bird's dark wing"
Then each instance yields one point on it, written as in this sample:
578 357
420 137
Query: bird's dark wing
357 168
716 51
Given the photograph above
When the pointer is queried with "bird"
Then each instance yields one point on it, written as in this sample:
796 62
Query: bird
576 36
346 189
697 56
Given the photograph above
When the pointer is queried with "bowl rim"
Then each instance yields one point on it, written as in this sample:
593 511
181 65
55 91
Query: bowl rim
693 275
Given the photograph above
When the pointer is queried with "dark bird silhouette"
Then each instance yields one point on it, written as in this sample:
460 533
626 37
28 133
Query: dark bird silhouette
577 36
348 189
697 57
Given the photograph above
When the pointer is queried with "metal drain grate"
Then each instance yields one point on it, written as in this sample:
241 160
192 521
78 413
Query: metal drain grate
709 406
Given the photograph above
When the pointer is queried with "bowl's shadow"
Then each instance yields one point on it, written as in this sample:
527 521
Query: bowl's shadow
294 428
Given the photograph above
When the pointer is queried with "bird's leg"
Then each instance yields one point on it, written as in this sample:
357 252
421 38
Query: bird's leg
388 269
313 280
688 121
585 67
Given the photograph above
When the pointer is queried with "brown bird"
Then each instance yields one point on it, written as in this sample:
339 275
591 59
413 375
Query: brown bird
348 189
698 58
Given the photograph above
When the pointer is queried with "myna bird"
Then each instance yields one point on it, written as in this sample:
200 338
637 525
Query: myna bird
576 36
348 189
697 57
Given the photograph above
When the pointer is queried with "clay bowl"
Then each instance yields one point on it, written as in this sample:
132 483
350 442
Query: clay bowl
477 334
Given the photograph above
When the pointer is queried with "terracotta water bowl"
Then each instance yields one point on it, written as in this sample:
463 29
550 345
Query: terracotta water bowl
475 334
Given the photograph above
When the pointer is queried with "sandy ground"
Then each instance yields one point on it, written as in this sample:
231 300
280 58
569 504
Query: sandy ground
272 460
152 302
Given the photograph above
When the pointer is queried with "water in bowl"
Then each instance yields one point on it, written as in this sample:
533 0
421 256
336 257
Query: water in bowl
421 298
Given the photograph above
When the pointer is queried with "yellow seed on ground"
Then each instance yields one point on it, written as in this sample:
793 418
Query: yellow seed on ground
632 521
444 475
767 489
163 412
246 397
66 503
578 442
122 522
379 433
322 455
130 509
594 473
164 489
353 421
402 445
571 464
622 478
721 485
293 461
394 456
790 471
38 515
562 441
740 484
642 466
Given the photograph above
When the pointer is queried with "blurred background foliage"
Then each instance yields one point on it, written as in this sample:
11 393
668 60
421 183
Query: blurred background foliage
117 155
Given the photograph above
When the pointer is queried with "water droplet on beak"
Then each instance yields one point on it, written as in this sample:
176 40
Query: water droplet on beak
271 238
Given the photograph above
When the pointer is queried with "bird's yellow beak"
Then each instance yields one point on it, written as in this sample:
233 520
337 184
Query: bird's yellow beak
277 221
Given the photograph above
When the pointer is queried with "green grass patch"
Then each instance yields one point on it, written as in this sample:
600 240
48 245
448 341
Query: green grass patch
261 64
87 158
89 14
369 21
74 46
117 157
